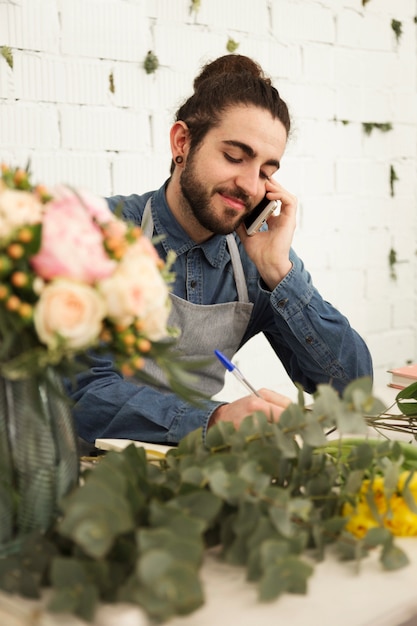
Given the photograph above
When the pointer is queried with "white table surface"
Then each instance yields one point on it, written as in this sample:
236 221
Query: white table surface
337 596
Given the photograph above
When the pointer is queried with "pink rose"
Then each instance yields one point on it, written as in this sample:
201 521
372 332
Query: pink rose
72 243
96 206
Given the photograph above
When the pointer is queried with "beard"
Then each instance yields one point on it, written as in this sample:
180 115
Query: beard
198 203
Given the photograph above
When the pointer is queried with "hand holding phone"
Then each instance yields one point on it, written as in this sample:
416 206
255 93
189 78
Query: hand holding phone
259 215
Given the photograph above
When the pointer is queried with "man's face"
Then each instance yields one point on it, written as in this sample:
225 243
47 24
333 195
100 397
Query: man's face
224 177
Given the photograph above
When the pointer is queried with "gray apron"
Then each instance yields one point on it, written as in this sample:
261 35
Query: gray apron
205 328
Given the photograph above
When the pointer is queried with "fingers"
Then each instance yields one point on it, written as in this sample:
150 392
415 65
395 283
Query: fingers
269 402
275 398
275 191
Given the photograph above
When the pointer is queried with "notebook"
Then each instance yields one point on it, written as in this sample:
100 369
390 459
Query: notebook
154 451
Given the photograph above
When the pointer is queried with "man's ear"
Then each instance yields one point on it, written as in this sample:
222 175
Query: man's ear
180 139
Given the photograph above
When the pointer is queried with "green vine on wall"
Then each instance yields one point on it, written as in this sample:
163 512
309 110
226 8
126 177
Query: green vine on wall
392 260
383 127
392 179
111 83
151 62
397 27
195 6
232 45
7 54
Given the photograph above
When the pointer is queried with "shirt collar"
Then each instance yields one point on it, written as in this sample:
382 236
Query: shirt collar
174 236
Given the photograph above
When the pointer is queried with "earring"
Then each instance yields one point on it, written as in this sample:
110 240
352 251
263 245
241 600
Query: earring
179 159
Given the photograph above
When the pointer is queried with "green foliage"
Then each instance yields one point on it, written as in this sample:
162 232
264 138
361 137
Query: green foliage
112 88
392 260
406 400
384 127
397 27
392 179
266 495
195 6
7 54
232 45
151 62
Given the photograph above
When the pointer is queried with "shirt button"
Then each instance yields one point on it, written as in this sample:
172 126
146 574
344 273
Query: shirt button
193 284
309 339
282 303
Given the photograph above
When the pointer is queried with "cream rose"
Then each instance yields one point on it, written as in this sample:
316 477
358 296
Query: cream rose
69 311
17 208
137 290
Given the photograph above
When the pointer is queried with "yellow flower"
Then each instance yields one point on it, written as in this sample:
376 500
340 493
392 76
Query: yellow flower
395 514
360 519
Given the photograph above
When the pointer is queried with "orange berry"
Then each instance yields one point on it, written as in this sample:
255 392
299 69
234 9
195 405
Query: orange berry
19 279
15 251
127 370
25 235
129 339
138 363
41 190
144 345
19 176
4 292
25 311
13 303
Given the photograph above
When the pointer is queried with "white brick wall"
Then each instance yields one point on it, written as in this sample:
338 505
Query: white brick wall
337 64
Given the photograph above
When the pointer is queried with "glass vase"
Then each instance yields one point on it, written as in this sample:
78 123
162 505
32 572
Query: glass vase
39 460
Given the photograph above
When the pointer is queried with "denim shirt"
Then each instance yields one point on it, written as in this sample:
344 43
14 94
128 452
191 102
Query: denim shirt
313 340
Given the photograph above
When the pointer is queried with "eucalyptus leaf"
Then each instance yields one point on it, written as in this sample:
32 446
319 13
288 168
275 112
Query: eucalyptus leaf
408 495
281 520
377 536
154 564
393 558
182 549
349 548
199 504
313 434
290 574
229 487
82 600
361 456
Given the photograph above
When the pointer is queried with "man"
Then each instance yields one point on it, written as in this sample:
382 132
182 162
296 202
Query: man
227 143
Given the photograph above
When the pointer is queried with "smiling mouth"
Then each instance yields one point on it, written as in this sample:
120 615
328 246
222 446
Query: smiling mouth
232 202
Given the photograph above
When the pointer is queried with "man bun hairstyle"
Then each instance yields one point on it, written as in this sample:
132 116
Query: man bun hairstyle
230 80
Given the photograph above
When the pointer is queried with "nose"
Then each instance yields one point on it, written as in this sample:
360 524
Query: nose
250 181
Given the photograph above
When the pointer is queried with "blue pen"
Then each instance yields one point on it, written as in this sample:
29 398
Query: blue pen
235 371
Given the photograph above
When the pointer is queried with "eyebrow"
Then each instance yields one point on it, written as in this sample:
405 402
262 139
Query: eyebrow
250 151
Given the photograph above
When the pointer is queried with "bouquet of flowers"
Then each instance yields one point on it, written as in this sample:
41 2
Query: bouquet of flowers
73 276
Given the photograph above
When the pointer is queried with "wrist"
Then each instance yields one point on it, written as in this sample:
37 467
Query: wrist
215 416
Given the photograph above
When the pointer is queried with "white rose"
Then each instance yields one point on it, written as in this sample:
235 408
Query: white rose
137 290
70 310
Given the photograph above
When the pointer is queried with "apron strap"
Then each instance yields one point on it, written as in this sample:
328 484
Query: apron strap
242 289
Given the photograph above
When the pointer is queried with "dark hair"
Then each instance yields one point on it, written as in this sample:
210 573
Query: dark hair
230 80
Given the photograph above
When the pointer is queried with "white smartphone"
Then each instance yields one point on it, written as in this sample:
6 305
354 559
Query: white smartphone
259 215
